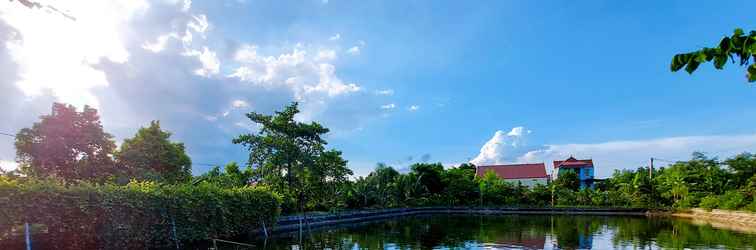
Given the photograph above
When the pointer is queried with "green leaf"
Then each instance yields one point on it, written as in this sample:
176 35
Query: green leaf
738 32
701 57
720 61
692 66
752 73
677 63
724 45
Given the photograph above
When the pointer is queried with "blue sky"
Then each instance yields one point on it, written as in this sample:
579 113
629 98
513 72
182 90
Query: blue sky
558 78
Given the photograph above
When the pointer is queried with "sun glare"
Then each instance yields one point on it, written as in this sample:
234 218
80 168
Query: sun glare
56 53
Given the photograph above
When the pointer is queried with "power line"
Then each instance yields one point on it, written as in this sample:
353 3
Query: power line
7 134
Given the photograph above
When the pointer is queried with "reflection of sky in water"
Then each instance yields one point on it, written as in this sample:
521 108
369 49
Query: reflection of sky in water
520 232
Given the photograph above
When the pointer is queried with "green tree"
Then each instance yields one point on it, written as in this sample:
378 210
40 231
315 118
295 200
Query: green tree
151 155
230 177
326 179
66 144
740 45
568 180
743 167
285 152
460 185
430 176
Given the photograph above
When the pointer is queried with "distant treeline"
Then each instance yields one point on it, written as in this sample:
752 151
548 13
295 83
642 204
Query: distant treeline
71 171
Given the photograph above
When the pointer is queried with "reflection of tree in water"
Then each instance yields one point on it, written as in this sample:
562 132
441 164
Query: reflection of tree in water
525 231
576 232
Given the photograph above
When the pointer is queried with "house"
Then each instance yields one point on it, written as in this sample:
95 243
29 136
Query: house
583 169
526 174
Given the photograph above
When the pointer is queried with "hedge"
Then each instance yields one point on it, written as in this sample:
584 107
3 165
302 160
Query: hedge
137 215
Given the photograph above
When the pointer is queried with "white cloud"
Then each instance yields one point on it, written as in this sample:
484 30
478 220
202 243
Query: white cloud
353 51
199 24
335 37
208 59
326 55
385 92
414 108
502 147
388 106
8 165
239 104
634 153
308 79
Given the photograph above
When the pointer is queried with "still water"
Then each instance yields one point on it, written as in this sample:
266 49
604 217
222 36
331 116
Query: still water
517 232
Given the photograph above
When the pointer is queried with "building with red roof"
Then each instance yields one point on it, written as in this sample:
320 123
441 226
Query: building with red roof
526 174
583 169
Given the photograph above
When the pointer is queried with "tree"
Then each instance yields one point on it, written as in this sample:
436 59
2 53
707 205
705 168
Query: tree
326 179
231 176
743 167
151 155
285 152
568 180
430 176
738 45
67 144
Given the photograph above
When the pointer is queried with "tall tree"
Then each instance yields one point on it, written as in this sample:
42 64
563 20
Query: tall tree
67 144
151 155
327 177
740 45
285 151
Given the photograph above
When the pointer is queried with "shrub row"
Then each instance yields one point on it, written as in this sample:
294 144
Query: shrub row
136 215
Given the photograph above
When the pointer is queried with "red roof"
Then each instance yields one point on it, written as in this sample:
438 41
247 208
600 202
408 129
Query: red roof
515 171
573 163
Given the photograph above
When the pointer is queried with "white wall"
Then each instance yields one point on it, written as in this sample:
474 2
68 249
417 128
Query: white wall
530 182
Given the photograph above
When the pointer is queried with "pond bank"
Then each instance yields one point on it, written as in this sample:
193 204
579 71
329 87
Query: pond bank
291 223
724 219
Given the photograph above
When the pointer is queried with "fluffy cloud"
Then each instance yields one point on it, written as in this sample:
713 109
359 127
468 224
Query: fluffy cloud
503 147
139 61
335 37
308 78
612 155
326 55
413 108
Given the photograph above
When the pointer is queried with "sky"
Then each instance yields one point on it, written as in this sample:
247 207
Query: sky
398 82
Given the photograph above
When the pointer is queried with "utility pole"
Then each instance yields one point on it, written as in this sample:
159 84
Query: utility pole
651 169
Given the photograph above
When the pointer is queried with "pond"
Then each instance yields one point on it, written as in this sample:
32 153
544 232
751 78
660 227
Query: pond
516 232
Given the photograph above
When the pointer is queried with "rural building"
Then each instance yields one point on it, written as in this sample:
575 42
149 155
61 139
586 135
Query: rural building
526 174
583 169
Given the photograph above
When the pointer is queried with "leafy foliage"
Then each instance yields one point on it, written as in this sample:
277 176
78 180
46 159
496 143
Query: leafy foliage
740 45
67 144
150 155
290 157
136 215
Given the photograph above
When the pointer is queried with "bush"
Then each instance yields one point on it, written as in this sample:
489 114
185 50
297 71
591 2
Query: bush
732 200
136 215
709 202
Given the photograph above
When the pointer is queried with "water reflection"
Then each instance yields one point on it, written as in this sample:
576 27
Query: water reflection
518 232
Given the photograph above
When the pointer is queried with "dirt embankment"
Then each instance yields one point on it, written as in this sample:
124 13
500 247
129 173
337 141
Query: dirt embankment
732 220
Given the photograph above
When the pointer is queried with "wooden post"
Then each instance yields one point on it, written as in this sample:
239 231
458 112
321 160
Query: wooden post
651 168
27 236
